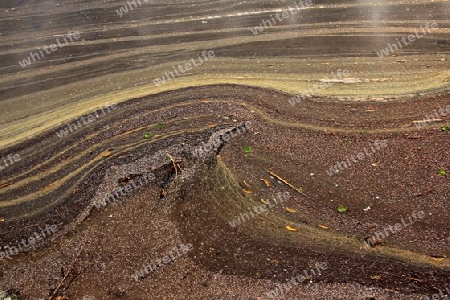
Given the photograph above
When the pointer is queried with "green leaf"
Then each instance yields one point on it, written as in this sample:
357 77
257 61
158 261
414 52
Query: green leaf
159 125
300 189
247 149
446 128
442 172
342 209
147 135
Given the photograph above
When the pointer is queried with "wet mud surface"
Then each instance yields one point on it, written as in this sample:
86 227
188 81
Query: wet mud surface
200 201
364 190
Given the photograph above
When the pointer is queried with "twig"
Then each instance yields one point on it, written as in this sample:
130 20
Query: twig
67 274
75 276
285 182
174 165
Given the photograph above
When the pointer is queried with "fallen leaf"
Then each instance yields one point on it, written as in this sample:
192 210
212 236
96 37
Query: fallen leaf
107 153
246 184
376 277
263 201
290 228
323 227
442 172
266 182
290 210
342 209
2 220
247 191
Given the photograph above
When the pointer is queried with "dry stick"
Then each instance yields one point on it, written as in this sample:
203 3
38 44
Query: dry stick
285 182
75 276
174 165
67 274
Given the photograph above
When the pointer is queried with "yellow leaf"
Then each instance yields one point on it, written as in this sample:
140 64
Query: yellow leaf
107 153
290 210
266 182
323 227
290 228
263 201
247 191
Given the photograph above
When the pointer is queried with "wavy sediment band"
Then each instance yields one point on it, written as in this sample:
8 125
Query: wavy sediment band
58 185
345 117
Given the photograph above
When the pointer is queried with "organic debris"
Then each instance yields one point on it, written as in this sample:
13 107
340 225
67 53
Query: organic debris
290 228
286 183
